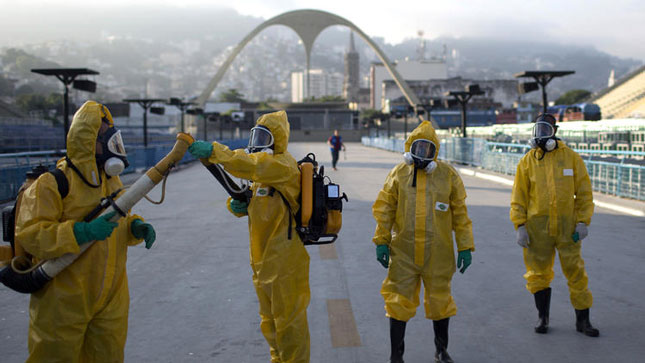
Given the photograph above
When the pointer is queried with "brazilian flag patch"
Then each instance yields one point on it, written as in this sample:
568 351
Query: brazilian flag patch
441 206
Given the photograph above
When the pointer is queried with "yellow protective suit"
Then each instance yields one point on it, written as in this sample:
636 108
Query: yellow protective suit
549 197
280 265
417 225
82 314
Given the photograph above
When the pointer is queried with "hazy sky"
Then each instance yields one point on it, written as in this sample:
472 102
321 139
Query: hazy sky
613 26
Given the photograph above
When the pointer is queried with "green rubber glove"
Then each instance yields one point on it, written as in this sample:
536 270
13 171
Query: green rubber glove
140 229
239 207
464 258
200 149
383 255
96 230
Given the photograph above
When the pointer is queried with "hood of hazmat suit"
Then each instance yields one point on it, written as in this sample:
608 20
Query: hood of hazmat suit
82 313
280 265
551 194
417 222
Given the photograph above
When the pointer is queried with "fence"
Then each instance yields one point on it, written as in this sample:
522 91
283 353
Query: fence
14 166
623 176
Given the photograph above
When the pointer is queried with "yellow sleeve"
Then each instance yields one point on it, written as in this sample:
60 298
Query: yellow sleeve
384 210
520 195
228 206
259 167
461 224
584 195
39 228
132 240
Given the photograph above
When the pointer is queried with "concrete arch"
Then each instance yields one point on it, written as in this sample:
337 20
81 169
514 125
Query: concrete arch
308 24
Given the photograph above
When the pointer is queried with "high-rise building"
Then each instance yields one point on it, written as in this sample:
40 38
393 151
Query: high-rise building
297 86
351 86
321 84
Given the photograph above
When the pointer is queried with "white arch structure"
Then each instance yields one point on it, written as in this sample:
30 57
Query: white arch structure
308 24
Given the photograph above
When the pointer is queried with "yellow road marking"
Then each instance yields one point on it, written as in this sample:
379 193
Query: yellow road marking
328 252
342 325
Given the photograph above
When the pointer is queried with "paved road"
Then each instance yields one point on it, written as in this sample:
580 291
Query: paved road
192 299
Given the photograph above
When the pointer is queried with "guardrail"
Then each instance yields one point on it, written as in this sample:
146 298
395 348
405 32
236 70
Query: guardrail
14 166
623 175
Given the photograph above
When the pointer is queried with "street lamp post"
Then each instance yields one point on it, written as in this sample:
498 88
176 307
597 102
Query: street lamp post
182 106
68 76
210 117
197 111
389 127
463 97
145 103
429 106
541 78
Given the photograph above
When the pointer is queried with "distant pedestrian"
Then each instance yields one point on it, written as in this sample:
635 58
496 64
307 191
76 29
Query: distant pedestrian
335 143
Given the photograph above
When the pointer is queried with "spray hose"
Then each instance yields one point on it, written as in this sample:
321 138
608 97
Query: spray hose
235 191
22 277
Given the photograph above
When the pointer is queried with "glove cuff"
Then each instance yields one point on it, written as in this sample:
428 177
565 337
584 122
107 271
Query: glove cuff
81 233
135 228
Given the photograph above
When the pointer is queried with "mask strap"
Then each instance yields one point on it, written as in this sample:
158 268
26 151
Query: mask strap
69 162
414 178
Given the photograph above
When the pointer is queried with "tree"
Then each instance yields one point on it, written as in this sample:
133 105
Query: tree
25 89
232 95
370 114
328 98
22 62
31 102
6 86
572 97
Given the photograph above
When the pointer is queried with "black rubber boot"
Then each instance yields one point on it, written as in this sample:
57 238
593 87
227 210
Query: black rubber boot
543 303
397 333
441 341
583 324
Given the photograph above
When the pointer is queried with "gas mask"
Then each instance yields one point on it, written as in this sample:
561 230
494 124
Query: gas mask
260 140
422 154
113 158
543 136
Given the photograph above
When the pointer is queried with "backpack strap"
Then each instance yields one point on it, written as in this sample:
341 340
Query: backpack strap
61 180
291 216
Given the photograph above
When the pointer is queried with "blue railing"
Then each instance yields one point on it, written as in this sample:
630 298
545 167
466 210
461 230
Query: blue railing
623 176
14 166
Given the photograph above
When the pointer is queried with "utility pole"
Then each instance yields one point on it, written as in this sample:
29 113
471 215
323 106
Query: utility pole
542 78
182 106
146 103
462 97
68 76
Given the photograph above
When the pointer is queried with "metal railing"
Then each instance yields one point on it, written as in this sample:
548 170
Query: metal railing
14 166
620 173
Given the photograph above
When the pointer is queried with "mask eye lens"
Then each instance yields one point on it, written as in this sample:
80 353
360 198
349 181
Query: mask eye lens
542 130
115 144
260 138
423 149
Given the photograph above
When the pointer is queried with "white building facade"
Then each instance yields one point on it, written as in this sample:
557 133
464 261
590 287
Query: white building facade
410 70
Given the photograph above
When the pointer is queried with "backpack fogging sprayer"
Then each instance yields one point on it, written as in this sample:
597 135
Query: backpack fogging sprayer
319 218
22 277
321 205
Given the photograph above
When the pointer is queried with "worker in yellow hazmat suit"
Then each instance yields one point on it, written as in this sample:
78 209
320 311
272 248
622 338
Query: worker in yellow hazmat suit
82 314
551 207
280 263
422 202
